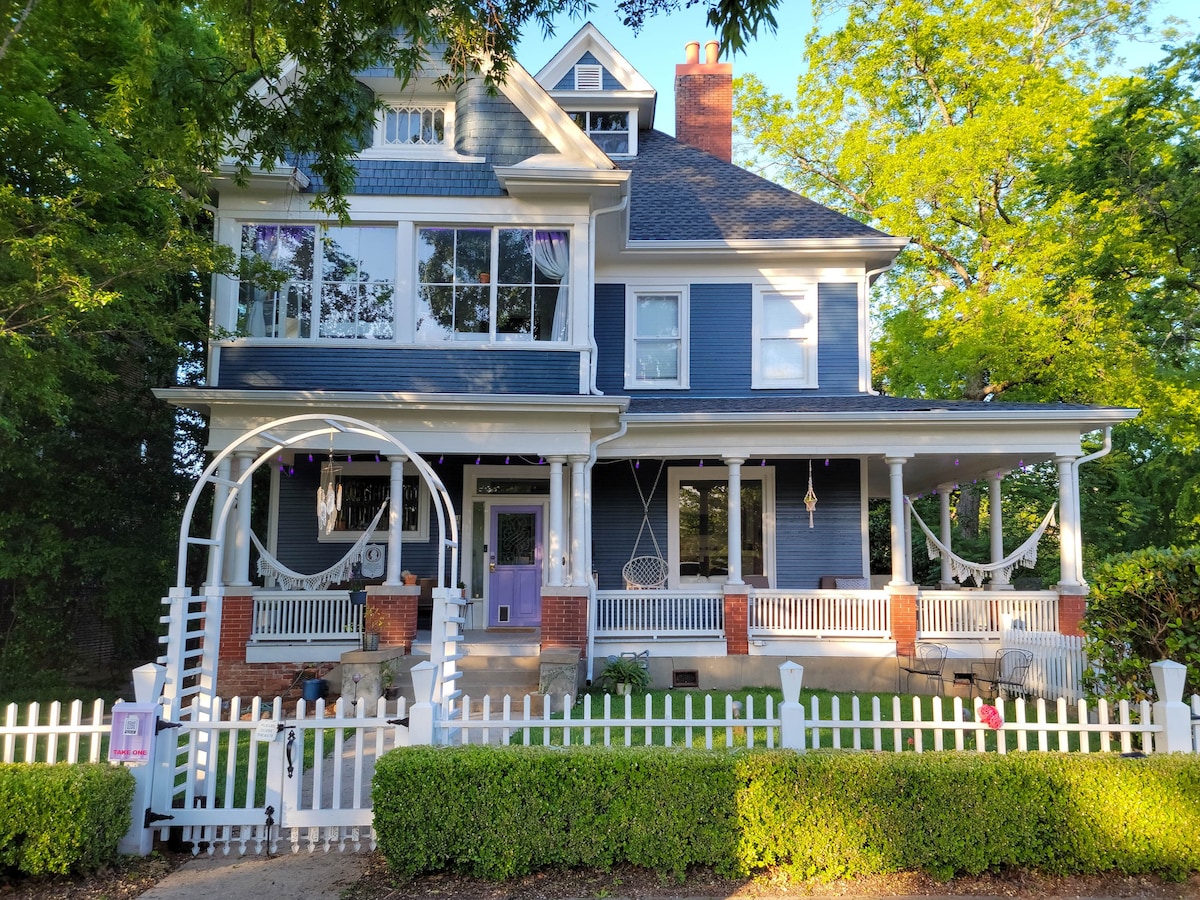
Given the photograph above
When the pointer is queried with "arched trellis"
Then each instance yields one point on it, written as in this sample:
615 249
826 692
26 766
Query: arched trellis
265 436
330 424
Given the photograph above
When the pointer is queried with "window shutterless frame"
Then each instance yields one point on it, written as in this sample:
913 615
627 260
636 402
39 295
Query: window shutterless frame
657 337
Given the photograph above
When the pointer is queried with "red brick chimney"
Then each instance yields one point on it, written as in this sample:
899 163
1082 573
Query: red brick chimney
704 101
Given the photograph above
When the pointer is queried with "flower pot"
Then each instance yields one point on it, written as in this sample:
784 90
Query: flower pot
358 598
410 580
370 640
391 693
624 688
315 688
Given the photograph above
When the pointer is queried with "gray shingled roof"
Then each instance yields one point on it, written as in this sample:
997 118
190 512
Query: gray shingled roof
857 403
679 193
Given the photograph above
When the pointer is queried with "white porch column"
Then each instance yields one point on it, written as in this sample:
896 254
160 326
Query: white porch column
946 534
395 521
555 551
908 535
999 580
220 495
899 515
1068 523
579 553
240 574
734 536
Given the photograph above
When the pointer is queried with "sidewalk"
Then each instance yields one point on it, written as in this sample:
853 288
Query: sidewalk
311 876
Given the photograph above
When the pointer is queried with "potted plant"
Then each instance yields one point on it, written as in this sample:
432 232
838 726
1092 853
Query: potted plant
372 624
358 586
624 674
408 577
387 679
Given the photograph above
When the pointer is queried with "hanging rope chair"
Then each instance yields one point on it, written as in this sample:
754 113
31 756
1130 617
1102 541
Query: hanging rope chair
645 572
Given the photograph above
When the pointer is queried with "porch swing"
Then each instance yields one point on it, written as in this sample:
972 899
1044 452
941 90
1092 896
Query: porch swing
645 572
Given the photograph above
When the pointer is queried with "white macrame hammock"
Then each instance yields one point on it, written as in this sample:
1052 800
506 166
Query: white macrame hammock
1025 555
342 570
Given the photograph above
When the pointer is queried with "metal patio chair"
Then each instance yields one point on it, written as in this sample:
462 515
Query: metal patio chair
1006 674
927 661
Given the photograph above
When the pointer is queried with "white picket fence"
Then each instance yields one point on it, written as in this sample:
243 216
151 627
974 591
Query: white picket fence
1058 662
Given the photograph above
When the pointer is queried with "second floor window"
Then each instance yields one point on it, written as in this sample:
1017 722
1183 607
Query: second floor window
608 130
414 126
656 345
338 282
500 284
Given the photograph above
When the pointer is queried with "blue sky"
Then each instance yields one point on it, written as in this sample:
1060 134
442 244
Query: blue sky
775 59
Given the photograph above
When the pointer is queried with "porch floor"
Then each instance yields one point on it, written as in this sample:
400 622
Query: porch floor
489 642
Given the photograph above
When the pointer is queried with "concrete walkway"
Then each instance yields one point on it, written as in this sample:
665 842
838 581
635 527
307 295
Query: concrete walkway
311 876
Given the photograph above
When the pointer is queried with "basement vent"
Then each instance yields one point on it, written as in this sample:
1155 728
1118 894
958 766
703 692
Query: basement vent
588 78
685 678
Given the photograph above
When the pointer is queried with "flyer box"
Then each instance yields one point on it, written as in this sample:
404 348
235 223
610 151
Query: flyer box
132 733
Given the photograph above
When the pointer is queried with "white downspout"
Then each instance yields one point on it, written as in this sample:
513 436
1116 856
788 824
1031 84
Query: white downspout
1103 451
593 349
587 537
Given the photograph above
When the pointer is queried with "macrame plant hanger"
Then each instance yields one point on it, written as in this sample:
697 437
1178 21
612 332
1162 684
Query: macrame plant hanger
645 571
329 493
810 499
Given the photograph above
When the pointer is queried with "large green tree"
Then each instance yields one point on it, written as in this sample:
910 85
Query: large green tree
930 121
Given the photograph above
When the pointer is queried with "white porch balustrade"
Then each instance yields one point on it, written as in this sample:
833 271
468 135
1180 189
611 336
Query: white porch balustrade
304 616
698 613
817 613
980 614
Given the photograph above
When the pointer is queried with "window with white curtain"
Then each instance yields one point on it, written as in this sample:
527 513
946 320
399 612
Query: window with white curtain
784 353
492 284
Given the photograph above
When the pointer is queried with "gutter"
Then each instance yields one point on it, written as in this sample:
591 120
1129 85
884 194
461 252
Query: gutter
1103 451
869 278
587 536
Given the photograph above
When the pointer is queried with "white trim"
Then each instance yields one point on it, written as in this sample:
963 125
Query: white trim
383 470
806 337
588 76
632 293
676 474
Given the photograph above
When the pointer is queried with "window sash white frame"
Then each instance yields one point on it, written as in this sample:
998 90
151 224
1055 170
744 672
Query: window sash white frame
678 474
383 469
805 337
632 294
381 149
493 285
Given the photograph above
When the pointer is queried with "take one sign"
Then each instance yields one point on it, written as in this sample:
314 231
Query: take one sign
131 736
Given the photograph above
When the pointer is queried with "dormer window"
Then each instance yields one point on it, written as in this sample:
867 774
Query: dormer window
589 78
414 126
608 130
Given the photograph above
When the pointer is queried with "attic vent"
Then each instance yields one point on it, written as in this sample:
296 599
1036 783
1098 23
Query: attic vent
588 78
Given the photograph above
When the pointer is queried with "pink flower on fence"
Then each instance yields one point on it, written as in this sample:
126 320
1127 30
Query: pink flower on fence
990 716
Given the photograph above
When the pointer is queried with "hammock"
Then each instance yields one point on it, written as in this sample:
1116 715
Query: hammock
342 570
1025 555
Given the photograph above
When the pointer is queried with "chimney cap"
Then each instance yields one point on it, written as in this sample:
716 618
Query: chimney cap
691 52
711 50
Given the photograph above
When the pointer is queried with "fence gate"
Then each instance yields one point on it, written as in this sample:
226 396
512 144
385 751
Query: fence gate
251 780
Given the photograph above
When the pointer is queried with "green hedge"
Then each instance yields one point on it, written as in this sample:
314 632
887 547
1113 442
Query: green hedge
56 819
498 812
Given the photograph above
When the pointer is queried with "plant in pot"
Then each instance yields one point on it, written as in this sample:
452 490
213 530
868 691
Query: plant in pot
387 680
358 587
408 577
624 675
372 624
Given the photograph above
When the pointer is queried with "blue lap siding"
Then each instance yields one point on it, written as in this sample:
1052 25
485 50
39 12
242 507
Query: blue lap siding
399 369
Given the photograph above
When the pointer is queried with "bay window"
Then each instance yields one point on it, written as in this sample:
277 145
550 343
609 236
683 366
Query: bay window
492 284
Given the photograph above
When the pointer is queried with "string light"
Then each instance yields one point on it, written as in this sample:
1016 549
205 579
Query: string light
637 464
506 460
541 460
702 464
827 460
310 457
477 460
441 459
763 462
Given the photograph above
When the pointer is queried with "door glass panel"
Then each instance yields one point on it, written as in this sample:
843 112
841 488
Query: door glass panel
516 540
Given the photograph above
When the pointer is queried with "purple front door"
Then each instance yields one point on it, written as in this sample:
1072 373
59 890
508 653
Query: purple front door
515 561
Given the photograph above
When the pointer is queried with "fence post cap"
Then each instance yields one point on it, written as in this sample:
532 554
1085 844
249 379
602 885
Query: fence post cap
791 675
1169 677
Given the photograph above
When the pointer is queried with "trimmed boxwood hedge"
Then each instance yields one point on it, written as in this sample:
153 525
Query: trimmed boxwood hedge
500 812
56 819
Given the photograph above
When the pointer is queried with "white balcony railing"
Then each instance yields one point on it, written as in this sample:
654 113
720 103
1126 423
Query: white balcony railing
304 616
980 614
657 614
815 613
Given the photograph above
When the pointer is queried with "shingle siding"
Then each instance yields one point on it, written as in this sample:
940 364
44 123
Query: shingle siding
399 369
608 81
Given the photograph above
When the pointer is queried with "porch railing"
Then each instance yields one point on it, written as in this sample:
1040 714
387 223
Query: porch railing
980 614
304 616
819 614
658 614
